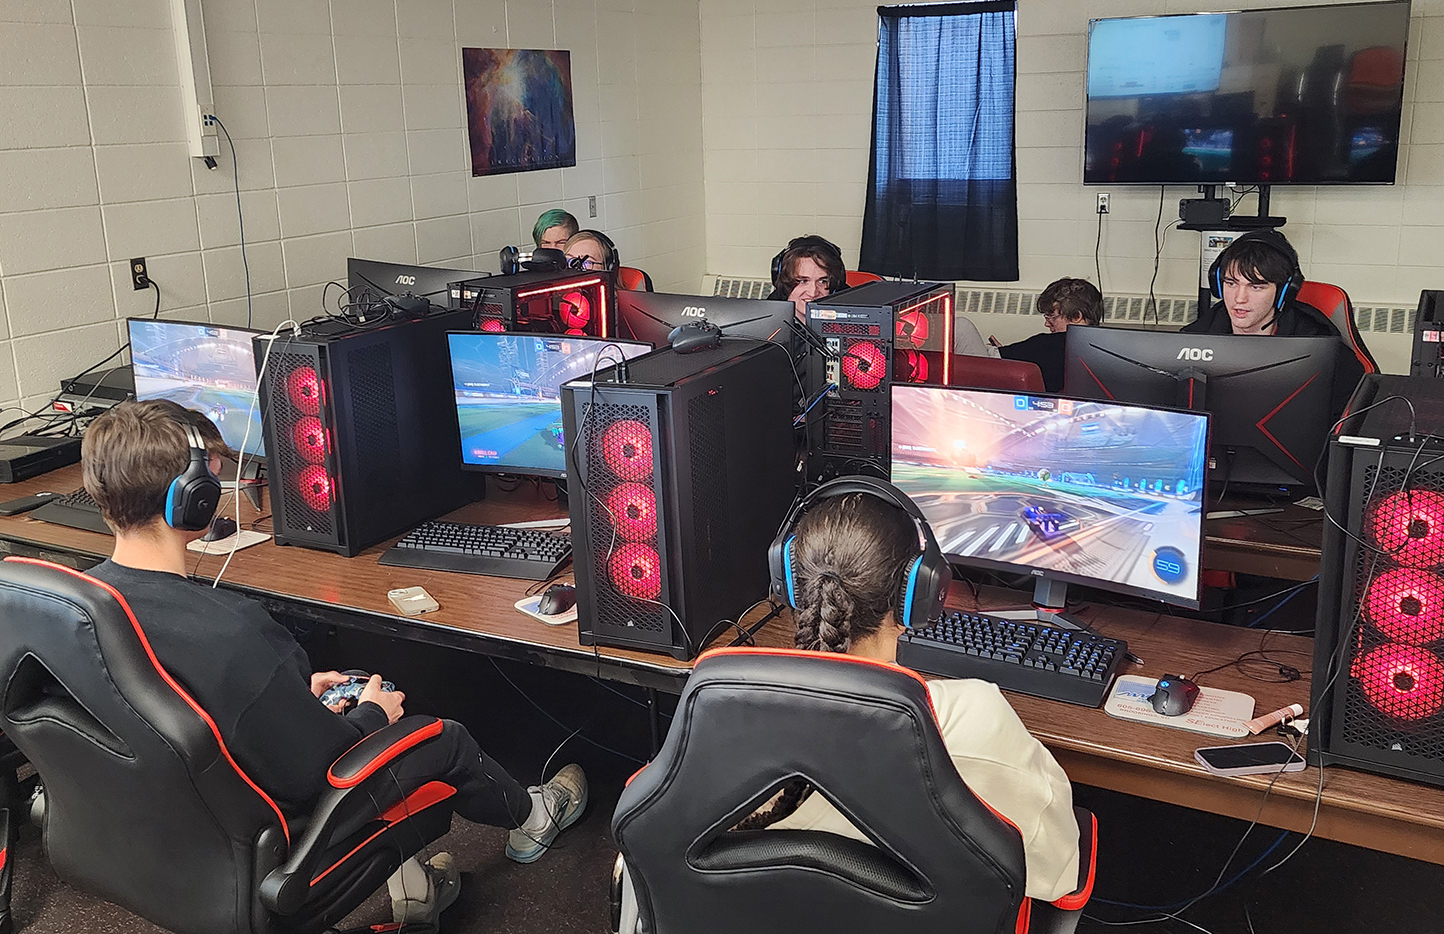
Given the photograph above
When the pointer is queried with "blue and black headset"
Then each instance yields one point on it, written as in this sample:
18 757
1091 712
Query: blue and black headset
924 584
192 498
1288 290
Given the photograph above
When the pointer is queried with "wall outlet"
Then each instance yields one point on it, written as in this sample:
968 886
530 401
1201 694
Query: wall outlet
592 206
138 277
1103 202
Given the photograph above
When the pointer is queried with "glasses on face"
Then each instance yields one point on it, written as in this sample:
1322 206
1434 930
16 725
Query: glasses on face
1052 315
584 262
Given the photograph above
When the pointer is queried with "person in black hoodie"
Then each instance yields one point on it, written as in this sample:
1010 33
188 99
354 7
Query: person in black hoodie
1063 304
807 269
247 671
1257 277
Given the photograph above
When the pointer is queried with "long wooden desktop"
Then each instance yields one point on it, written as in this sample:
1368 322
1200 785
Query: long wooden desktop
477 614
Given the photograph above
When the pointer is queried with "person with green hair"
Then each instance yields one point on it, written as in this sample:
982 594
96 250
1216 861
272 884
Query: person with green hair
553 229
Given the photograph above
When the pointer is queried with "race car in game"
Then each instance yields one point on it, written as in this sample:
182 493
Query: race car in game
1049 524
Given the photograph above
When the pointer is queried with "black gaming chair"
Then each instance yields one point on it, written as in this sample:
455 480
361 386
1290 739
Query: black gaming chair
864 734
145 806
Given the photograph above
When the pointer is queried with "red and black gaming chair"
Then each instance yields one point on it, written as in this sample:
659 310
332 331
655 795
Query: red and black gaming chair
864 734
1334 303
144 805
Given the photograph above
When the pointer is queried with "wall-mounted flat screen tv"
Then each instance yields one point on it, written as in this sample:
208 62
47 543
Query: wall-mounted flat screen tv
1308 95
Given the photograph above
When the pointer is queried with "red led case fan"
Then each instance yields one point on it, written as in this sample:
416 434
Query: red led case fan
635 567
1396 668
304 391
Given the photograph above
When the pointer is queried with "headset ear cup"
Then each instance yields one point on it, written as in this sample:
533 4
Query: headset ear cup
789 571
907 592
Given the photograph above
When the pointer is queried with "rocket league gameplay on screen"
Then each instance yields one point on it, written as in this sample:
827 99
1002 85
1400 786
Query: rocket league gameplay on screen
203 367
1094 491
508 394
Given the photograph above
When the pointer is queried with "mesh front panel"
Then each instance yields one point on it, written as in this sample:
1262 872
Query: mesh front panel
1391 673
373 403
708 448
301 491
620 474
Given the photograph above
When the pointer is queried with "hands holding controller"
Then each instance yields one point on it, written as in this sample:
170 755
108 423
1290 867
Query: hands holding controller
340 692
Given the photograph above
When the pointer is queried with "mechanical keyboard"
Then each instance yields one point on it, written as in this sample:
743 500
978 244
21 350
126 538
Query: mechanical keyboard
76 510
494 550
1028 657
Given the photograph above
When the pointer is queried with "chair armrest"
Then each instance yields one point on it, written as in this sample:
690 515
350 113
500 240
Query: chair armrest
347 807
1087 862
362 760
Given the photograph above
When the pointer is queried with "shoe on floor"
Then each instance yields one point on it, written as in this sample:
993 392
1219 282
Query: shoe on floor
564 798
419 894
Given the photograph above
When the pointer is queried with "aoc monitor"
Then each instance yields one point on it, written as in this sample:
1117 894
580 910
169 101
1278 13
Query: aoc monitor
380 279
1067 490
1272 398
508 395
1307 95
205 367
651 316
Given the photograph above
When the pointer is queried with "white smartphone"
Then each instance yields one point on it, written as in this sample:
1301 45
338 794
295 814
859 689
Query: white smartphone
412 601
1249 759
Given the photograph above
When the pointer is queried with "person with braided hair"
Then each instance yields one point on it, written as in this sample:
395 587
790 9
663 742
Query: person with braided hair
849 557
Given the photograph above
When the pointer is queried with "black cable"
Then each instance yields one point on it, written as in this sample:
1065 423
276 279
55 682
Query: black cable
1280 593
240 216
1157 254
1097 244
151 282
543 711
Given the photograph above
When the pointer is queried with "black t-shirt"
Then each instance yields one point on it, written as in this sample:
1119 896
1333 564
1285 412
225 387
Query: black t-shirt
1047 350
250 675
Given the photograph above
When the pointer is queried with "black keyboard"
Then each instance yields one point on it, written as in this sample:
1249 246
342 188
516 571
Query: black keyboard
494 550
1027 657
76 510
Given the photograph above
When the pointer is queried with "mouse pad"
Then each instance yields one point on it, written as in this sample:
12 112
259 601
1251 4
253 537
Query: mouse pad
1215 713
223 545
529 605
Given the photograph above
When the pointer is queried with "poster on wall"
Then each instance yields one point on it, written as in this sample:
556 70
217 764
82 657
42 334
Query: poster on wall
519 110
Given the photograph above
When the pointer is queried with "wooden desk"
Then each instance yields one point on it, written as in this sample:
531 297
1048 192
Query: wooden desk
1286 545
477 615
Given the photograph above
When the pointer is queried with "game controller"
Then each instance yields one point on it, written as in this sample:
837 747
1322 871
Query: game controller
349 691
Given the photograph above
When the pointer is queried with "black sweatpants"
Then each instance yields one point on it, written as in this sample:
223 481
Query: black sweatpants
485 792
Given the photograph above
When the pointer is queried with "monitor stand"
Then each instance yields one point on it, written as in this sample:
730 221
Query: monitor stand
1050 607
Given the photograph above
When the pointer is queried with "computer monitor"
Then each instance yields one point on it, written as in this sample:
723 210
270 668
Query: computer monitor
1272 398
651 316
205 367
1069 491
383 279
508 395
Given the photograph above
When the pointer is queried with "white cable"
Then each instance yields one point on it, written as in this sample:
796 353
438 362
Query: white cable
250 419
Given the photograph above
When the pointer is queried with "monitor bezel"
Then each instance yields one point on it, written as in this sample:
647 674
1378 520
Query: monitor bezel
456 415
989 564
1243 180
254 332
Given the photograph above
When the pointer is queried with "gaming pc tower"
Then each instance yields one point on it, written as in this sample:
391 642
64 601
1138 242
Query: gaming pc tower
679 478
361 439
1378 673
578 302
1428 357
876 334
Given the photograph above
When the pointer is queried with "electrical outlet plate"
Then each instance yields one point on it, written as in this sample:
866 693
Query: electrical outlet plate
139 277
1103 207
592 206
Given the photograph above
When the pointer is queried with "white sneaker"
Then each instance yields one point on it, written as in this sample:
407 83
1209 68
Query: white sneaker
419 894
564 798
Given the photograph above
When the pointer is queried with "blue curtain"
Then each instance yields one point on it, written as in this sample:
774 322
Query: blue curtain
942 198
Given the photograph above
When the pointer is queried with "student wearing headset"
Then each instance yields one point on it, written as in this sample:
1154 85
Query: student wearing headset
151 466
856 575
591 249
807 269
1257 277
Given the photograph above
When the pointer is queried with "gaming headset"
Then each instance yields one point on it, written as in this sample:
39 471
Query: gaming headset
192 498
798 243
924 584
604 240
1275 241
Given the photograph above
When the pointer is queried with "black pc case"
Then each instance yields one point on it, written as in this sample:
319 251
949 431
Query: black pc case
678 481
361 434
1378 672
571 301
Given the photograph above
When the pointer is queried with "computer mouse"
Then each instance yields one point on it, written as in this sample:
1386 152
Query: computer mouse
557 600
1174 696
221 527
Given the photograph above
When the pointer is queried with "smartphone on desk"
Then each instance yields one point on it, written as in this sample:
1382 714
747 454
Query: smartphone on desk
1250 759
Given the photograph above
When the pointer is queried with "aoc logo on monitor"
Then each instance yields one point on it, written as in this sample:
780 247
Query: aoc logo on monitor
405 280
1195 353
694 311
